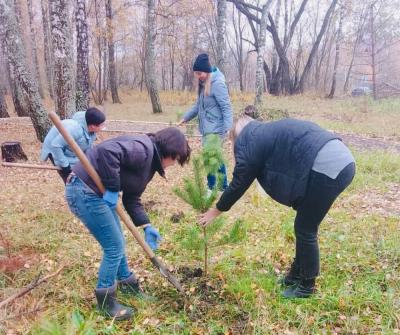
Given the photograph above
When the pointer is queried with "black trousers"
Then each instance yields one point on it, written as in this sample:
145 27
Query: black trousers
321 192
61 173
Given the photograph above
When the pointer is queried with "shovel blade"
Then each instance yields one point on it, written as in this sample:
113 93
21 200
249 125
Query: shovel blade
167 274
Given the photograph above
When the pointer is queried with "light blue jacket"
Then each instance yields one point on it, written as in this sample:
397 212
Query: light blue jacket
55 144
214 111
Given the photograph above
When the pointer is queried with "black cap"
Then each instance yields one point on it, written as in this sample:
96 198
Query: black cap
202 64
94 116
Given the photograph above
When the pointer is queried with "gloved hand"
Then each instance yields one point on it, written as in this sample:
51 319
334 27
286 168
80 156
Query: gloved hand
111 198
152 237
66 170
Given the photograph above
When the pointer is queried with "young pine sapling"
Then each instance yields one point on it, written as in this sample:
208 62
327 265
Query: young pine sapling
196 193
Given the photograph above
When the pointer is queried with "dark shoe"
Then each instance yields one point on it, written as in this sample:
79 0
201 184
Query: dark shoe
292 277
107 303
131 286
304 289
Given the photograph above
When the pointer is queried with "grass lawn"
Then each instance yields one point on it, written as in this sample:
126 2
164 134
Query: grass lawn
358 290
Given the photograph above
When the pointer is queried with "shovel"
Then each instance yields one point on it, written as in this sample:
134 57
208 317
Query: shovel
124 217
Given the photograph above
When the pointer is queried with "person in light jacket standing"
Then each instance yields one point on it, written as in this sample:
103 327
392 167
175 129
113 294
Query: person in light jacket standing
300 165
83 127
213 107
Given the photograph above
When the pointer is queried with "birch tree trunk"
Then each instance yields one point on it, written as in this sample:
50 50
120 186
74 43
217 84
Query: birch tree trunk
62 48
337 52
150 57
112 72
35 69
15 52
18 98
47 49
260 57
221 32
82 62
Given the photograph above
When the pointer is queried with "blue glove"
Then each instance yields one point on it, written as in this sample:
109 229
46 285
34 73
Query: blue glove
111 198
152 237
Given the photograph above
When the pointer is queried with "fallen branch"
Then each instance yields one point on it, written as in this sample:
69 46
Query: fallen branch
30 287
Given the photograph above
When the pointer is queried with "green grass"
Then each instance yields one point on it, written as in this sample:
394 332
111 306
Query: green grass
358 290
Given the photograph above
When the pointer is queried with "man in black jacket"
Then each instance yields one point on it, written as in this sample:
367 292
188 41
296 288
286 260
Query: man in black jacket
127 164
299 165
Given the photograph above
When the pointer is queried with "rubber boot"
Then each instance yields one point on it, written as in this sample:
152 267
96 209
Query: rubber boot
131 286
107 304
292 277
304 289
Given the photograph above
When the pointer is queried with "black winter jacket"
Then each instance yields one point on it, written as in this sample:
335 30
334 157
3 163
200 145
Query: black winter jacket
127 164
279 155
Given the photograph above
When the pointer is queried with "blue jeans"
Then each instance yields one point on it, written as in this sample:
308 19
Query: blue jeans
212 179
103 223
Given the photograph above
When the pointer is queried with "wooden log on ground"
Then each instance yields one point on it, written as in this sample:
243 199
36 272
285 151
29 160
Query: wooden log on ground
12 152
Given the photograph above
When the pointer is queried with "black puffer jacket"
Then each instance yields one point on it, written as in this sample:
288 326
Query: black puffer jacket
279 155
127 164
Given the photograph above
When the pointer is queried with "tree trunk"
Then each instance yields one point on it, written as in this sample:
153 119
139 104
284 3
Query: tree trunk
281 82
306 71
260 57
112 72
82 54
97 90
62 48
274 53
47 49
373 65
221 32
18 98
15 52
35 69
105 69
337 52
150 57
3 105
328 63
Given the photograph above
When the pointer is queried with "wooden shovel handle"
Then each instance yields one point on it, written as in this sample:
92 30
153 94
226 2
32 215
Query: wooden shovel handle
31 166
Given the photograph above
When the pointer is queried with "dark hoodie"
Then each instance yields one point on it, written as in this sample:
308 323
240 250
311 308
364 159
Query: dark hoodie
127 164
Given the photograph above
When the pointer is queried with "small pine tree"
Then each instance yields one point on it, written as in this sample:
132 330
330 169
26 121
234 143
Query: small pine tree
196 194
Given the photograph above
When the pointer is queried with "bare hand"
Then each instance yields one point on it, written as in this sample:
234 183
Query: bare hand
209 216
181 122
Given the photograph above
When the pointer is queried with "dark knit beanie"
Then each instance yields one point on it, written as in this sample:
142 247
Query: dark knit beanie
202 64
94 116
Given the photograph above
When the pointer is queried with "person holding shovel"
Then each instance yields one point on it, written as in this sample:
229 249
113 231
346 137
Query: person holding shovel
127 164
300 165
83 127
213 107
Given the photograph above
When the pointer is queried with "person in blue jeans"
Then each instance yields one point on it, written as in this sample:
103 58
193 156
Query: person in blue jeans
127 164
213 107
300 165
